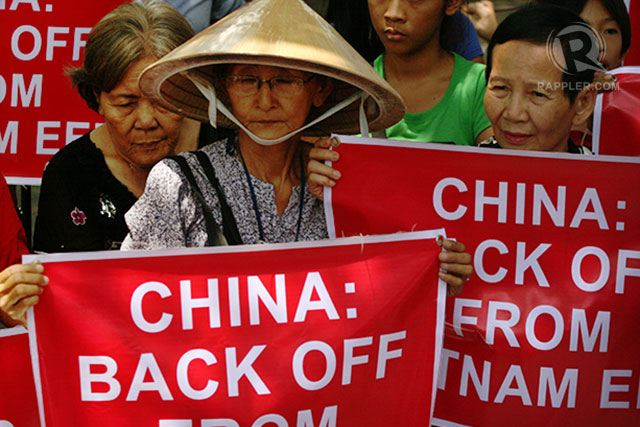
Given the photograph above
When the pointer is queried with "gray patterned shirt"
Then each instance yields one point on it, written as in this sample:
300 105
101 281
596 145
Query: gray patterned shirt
168 214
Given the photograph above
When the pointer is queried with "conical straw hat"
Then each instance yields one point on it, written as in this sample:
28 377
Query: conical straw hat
284 33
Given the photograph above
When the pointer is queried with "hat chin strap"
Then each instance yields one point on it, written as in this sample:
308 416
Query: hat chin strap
209 92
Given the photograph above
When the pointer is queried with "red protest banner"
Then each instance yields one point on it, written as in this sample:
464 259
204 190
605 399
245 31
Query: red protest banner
298 334
39 111
542 330
633 54
616 117
18 406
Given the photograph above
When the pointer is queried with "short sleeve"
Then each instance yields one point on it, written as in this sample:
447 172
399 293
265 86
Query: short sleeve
480 120
469 47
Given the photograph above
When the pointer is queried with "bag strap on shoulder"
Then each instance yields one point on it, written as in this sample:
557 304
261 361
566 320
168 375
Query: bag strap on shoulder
229 226
214 235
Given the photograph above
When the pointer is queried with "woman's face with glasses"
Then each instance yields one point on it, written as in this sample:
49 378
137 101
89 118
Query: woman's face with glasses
272 101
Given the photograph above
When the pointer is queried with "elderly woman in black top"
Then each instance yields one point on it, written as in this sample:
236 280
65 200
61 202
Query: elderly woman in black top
89 184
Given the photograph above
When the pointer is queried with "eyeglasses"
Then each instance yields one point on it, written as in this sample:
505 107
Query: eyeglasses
280 86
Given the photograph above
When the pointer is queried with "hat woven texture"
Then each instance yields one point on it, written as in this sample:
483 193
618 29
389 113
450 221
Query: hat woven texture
282 33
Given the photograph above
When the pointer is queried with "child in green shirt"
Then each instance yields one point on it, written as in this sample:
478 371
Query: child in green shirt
442 91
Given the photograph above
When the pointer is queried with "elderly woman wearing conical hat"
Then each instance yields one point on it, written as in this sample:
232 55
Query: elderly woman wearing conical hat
254 72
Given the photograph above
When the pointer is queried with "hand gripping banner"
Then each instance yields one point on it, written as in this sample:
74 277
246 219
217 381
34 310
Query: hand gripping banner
329 333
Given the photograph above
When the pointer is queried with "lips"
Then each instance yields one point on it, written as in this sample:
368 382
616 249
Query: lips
266 122
394 35
516 137
149 144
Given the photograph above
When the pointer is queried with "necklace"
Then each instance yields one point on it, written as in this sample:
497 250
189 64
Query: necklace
254 199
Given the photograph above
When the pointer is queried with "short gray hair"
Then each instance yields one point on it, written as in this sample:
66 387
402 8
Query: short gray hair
122 37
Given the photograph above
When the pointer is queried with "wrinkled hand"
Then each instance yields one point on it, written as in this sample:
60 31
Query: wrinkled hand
20 289
482 16
321 175
456 266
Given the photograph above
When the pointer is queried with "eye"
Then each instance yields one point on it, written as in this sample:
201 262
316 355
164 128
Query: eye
126 104
540 95
246 83
611 32
285 81
498 87
246 80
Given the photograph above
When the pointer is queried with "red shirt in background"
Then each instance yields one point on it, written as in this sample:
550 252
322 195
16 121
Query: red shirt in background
13 242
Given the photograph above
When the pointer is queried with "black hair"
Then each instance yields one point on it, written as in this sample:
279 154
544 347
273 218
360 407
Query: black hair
122 37
538 24
616 8
354 24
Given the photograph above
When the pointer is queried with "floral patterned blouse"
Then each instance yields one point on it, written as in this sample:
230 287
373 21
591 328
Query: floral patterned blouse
168 214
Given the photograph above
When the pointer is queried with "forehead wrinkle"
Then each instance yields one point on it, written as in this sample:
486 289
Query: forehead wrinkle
126 88
122 94
536 71
526 83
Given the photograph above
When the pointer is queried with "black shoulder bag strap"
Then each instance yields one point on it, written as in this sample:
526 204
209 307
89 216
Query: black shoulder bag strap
214 235
229 226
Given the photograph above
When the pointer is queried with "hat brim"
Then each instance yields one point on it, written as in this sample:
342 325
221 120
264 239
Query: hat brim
322 51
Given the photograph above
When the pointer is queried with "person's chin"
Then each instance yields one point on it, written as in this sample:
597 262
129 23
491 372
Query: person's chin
401 47
147 156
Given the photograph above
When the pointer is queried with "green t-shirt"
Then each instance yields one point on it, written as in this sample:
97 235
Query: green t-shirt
458 118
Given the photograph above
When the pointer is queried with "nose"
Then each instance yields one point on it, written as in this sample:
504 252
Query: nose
395 11
516 109
265 96
145 115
